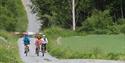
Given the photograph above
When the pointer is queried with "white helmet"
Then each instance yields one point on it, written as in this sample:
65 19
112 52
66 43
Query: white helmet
44 35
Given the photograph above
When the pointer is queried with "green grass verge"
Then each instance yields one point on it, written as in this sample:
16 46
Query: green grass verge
12 18
79 45
105 43
8 48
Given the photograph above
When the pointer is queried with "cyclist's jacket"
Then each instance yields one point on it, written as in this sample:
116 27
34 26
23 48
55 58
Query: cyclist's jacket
26 40
44 41
38 42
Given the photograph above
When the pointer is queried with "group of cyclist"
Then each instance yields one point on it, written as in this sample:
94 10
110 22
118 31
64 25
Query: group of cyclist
40 42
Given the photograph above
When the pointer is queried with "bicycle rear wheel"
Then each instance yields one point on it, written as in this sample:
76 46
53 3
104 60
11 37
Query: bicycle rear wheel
26 51
43 51
37 51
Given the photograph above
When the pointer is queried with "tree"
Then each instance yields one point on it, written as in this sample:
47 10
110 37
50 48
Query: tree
58 12
73 13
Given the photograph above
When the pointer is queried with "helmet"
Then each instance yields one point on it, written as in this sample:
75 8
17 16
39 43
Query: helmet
44 35
25 33
39 37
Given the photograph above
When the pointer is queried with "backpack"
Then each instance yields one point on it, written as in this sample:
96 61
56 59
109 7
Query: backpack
26 40
45 41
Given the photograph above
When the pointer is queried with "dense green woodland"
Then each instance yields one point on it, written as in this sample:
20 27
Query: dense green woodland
92 16
12 15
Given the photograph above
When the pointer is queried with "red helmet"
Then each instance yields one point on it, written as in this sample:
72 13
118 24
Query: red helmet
25 33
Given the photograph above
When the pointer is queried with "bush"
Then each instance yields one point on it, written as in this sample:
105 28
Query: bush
12 18
60 52
121 21
57 31
122 28
100 23
11 12
9 49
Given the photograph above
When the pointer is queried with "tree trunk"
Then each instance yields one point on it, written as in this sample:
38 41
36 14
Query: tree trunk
122 15
73 16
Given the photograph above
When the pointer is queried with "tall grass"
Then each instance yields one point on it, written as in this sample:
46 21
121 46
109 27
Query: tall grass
12 18
60 51
9 50
12 15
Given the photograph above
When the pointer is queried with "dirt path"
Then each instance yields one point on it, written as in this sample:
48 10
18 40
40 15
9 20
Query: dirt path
32 57
34 26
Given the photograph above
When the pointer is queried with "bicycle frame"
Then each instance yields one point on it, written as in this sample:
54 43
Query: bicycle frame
37 50
43 50
26 49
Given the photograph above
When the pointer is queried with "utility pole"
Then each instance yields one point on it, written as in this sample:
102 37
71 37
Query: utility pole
73 15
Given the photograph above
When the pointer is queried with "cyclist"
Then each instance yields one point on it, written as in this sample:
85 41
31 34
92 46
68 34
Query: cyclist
26 41
38 42
44 42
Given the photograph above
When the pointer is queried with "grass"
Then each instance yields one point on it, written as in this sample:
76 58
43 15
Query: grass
105 43
12 16
8 48
8 42
80 45
22 17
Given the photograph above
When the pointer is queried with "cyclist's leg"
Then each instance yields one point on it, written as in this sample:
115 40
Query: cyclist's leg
27 46
36 49
24 48
45 47
42 47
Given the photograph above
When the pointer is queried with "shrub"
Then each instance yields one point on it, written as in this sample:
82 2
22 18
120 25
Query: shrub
122 28
100 23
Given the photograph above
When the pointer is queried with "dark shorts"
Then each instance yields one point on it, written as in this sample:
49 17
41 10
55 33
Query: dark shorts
26 44
44 45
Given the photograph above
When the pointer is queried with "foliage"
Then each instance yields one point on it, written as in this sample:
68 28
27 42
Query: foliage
12 18
12 15
59 13
8 50
99 22
72 46
122 28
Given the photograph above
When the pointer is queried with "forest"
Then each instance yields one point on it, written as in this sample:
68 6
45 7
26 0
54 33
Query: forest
92 16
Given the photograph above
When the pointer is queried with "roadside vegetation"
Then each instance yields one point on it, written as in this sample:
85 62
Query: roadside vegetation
67 44
12 16
8 48
102 18
12 19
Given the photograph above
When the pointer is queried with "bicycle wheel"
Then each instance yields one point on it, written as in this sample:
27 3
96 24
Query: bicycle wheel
43 51
37 51
26 50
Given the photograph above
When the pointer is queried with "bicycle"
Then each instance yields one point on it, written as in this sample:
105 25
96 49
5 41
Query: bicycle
37 50
43 50
26 49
